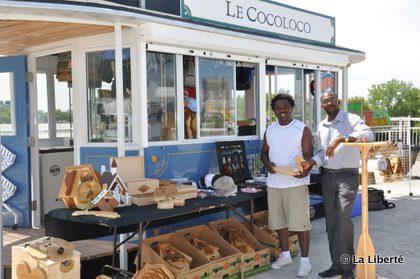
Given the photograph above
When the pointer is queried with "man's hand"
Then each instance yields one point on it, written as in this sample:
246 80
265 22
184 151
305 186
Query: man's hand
270 168
331 148
306 168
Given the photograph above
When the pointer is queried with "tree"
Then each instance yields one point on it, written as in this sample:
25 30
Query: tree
399 98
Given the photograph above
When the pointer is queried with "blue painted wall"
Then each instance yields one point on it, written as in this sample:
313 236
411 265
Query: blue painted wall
18 173
190 161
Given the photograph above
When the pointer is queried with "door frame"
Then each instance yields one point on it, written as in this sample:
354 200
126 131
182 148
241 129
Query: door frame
33 128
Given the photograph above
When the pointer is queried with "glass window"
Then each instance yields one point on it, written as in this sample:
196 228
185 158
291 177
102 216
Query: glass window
246 98
190 98
7 106
102 103
161 96
289 81
63 108
217 98
41 83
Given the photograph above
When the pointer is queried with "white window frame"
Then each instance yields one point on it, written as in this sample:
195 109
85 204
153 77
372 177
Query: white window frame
12 132
179 52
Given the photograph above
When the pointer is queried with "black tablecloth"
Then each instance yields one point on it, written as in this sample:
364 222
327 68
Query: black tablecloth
60 222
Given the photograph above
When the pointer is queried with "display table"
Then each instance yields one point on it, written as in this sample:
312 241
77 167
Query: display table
60 222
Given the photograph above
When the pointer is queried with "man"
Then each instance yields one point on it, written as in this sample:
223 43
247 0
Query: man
287 196
339 179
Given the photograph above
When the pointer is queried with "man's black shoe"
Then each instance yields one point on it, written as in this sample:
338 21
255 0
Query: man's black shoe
347 274
331 272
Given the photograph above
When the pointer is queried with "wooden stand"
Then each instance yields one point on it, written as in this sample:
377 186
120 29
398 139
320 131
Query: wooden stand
365 249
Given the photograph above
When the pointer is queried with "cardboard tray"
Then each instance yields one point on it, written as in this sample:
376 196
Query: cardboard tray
251 263
228 266
200 265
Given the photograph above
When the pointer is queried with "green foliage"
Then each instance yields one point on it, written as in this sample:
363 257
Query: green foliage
5 114
399 98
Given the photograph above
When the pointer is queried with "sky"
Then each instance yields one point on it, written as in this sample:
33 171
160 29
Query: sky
388 31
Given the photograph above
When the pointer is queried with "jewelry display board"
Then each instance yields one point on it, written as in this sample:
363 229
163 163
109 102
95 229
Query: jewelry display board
232 160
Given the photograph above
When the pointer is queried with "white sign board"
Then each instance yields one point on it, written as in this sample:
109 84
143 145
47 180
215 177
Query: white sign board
263 16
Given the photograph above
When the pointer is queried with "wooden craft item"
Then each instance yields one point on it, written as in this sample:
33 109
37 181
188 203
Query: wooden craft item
210 251
397 167
55 249
235 237
291 171
159 195
69 180
79 187
154 271
165 204
178 201
173 256
104 214
107 203
365 248
23 271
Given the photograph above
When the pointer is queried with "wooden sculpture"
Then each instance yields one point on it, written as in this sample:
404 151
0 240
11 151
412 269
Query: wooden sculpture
173 256
79 187
210 251
291 171
235 237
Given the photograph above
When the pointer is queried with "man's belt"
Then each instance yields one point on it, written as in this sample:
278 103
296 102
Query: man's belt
334 171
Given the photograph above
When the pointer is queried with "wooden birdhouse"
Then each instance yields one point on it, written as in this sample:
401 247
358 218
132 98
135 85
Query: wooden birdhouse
105 201
116 187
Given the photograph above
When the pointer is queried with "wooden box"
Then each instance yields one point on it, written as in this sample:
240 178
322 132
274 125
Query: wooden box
228 265
30 262
251 263
131 170
79 187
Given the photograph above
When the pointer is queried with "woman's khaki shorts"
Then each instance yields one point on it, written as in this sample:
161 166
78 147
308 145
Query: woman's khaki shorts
288 208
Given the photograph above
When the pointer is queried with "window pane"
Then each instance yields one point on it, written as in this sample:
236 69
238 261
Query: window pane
190 98
246 98
7 105
270 87
41 83
289 81
217 98
63 108
102 102
161 96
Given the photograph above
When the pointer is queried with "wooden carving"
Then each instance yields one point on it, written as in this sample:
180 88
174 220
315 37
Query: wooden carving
173 256
235 237
79 187
23 271
210 251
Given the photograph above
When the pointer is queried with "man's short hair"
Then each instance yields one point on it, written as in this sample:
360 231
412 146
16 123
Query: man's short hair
286 97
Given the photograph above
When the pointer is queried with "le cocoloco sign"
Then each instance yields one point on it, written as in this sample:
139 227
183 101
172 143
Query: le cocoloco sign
263 16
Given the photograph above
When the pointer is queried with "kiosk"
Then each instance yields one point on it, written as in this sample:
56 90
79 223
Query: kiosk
152 78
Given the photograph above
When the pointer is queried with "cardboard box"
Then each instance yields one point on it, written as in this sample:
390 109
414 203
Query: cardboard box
269 237
27 261
251 263
200 265
228 266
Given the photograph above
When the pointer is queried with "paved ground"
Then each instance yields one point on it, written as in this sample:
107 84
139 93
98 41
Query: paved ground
394 232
